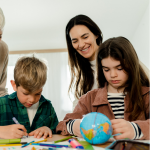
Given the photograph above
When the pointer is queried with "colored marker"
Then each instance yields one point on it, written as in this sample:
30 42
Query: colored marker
11 141
40 141
50 145
26 144
16 122
63 139
75 144
4 145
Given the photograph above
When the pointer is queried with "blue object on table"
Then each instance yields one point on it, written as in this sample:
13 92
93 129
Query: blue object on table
96 128
26 144
50 145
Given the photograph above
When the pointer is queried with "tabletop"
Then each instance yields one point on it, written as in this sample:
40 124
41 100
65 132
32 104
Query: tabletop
56 137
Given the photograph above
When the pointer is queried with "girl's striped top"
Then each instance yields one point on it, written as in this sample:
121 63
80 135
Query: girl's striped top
116 101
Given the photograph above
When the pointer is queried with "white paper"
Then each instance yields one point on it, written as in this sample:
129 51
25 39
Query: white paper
30 139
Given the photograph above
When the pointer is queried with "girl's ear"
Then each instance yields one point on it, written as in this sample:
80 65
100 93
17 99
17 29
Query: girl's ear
13 85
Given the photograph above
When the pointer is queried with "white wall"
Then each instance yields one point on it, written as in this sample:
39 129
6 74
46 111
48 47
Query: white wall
140 39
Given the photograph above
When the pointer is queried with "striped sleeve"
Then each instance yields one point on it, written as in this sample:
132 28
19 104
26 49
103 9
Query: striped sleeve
138 132
70 126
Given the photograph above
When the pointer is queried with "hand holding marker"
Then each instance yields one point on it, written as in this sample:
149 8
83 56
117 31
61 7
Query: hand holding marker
16 122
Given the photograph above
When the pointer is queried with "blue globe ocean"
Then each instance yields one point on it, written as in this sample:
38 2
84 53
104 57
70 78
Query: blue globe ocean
96 128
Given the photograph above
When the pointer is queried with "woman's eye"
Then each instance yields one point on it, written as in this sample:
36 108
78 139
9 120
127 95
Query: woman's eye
119 68
85 37
74 41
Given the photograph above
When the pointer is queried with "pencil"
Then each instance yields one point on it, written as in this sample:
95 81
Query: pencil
26 144
10 145
63 139
40 141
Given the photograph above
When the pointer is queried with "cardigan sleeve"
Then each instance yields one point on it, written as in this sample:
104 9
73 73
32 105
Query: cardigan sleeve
3 68
78 113
145 124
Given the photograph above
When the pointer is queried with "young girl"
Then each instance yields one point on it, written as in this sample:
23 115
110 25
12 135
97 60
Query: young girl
123 94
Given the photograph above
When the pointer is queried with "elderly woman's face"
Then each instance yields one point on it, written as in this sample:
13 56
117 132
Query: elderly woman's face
0 34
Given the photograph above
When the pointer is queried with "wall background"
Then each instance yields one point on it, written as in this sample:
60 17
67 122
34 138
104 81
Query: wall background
38 24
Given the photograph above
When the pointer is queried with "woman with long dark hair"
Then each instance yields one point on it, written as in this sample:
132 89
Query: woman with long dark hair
83 38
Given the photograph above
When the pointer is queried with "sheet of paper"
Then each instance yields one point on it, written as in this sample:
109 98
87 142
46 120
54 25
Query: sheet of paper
30 139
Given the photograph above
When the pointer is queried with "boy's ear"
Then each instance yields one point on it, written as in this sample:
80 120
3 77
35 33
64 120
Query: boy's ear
13 85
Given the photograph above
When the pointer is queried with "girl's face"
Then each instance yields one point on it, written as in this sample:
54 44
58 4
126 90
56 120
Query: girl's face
114 74
84 41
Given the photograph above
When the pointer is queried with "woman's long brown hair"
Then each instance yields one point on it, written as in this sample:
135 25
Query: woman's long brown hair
121 49
81 72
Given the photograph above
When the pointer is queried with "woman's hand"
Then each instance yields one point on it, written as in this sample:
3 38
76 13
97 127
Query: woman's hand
124 127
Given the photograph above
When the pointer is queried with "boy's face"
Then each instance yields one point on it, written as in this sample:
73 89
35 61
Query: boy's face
27 99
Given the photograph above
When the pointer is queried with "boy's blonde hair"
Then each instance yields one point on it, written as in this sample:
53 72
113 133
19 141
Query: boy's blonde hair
30 73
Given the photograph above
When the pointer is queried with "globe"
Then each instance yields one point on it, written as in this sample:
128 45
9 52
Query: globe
96 128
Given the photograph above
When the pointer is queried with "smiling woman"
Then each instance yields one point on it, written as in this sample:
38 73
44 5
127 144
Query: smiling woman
83 38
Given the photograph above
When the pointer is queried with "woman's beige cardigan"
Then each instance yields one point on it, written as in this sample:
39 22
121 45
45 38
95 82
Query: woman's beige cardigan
3 67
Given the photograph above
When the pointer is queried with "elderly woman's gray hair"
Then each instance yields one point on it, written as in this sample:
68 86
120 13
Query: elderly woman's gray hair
2 19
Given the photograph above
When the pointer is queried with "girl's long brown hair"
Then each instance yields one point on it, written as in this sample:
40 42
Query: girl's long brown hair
121 49
81 72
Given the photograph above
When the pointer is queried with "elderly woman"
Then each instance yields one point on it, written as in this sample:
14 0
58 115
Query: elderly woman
3 58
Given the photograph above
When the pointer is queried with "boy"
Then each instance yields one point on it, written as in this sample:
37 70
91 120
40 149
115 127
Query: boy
35 114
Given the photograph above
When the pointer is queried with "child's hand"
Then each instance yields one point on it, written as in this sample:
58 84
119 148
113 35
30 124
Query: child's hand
124 127
12 131
42 131
76 128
